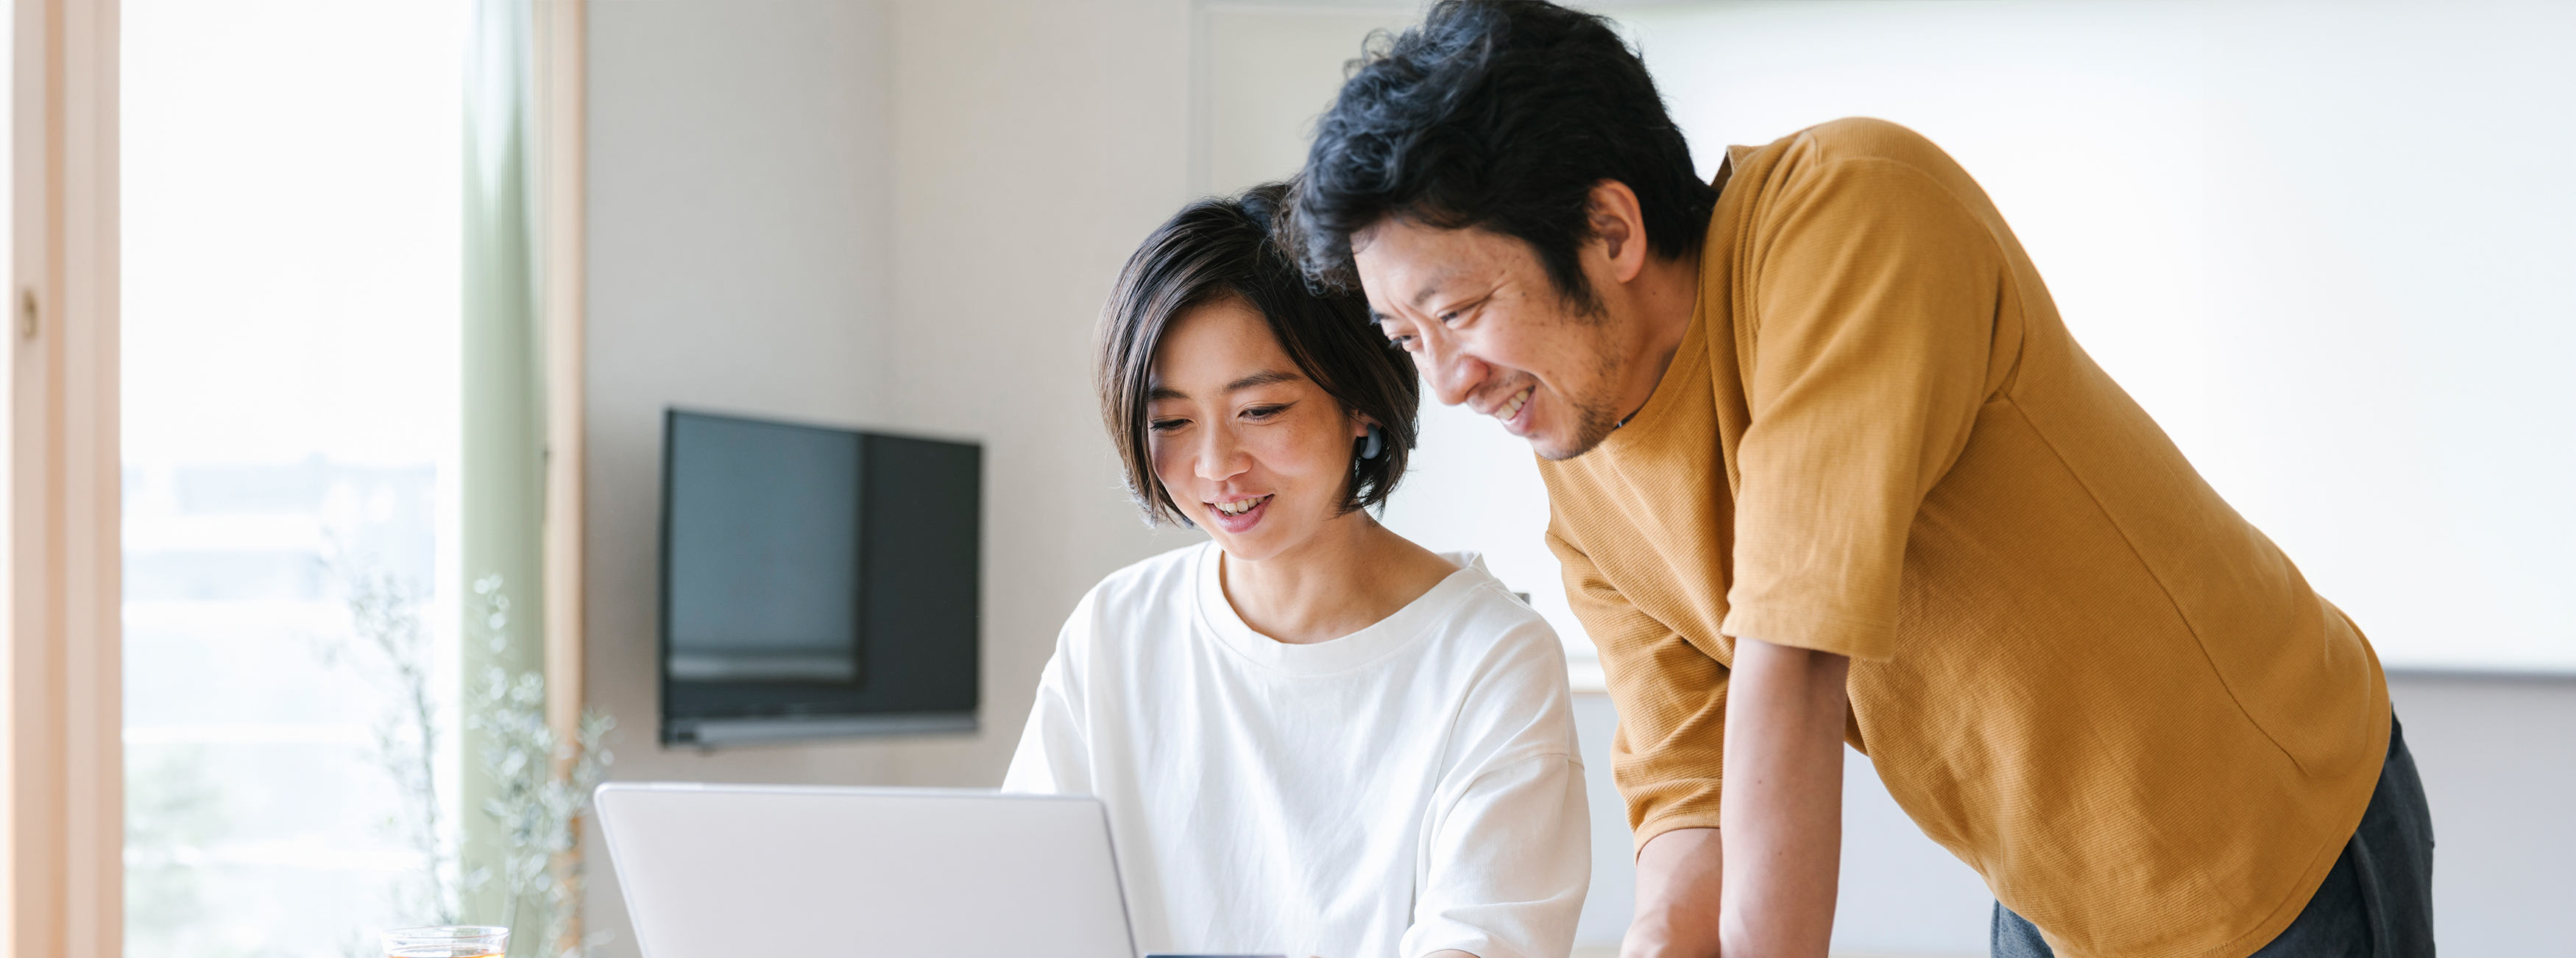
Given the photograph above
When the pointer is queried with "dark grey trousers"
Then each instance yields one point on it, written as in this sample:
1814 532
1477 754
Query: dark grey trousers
2376 903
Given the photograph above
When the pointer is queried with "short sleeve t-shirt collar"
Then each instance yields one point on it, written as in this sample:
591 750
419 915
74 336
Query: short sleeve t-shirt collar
1351 651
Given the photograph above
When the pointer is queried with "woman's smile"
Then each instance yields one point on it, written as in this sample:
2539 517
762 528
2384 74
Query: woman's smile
1238 515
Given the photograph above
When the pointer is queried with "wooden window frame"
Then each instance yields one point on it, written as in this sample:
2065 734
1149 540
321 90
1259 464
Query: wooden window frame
560 74
63 735
560 71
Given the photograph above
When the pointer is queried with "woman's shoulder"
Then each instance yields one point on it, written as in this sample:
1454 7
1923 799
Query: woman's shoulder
1155 587
1487 619
1155 576
1513 697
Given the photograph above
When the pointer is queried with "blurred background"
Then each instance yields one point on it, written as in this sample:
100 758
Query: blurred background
2326 245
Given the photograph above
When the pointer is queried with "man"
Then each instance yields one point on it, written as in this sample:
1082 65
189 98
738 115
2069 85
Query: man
1824 467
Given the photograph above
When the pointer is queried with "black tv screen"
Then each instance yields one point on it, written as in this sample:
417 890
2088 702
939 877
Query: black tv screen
815 581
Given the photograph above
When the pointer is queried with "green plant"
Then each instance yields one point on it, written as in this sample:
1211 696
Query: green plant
390 648
542 781
172 811
536 807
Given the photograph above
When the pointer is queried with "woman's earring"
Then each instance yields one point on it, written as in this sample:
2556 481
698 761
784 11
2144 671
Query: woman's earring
1376 442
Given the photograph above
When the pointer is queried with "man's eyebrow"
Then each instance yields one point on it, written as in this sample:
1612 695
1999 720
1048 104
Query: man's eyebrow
1420 296
1433 286
1160 393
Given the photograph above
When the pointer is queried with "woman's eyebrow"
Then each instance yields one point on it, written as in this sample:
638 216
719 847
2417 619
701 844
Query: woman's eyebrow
1160 392
1263 378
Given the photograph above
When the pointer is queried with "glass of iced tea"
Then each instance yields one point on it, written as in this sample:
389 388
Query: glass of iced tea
448 941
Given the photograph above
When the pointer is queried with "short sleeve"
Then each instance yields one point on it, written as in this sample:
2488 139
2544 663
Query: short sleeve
1873 295
1668 757
1054 754
1506 853
1511 859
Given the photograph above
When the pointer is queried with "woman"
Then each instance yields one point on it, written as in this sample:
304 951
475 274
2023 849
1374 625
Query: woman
1313 736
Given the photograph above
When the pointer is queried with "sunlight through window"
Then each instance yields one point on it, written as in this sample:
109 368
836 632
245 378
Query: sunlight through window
291 204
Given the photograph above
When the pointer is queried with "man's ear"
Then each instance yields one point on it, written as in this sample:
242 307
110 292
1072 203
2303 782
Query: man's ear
1619 225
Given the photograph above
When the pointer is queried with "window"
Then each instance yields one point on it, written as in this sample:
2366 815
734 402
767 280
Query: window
291 238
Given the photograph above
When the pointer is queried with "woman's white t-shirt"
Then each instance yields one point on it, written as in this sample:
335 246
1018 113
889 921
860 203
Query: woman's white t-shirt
1409 787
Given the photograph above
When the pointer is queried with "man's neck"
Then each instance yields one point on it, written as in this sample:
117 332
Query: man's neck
1666 299
1662 300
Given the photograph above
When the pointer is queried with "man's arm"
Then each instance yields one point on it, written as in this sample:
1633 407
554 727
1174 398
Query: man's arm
1678 880
1783 809
1784 800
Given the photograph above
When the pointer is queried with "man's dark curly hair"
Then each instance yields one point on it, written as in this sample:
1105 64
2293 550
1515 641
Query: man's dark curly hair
1501 115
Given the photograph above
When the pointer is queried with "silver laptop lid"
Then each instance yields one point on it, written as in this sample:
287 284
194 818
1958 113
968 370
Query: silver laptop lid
720 871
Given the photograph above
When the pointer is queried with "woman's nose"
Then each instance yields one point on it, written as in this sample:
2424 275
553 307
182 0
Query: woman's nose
1220 457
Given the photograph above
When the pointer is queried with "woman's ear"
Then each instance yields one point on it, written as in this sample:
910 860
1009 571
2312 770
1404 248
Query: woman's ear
1372 439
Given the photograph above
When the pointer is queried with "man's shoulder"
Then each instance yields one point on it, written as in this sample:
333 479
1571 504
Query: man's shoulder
1866 134
1864 149
1860 137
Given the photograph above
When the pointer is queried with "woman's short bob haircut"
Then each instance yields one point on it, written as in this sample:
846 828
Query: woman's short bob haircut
1217 249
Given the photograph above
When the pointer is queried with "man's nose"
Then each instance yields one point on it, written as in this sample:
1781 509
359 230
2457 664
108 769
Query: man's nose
1453 374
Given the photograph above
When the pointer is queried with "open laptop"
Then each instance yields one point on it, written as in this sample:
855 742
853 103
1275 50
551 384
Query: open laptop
719 871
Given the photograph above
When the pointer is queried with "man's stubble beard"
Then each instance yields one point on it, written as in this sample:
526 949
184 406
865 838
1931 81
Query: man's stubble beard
1596 416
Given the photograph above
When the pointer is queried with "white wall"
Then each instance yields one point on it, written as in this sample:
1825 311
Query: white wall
1037 144
740 218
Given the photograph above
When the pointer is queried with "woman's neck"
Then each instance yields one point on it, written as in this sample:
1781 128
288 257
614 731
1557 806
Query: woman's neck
1350 575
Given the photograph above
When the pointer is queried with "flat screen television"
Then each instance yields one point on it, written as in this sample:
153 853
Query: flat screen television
816 582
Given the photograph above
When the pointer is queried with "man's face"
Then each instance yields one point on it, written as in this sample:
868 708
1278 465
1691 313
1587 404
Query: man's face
1487 328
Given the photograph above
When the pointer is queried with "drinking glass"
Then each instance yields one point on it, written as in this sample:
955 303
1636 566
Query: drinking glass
448 941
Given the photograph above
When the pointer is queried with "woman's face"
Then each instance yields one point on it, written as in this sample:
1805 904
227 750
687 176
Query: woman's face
1251 450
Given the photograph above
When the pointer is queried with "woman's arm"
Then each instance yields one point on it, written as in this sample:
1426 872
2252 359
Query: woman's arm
1511 858
1507 844
1053 757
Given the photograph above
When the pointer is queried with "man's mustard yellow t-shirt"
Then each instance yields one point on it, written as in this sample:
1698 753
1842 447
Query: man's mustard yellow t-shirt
2074 665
